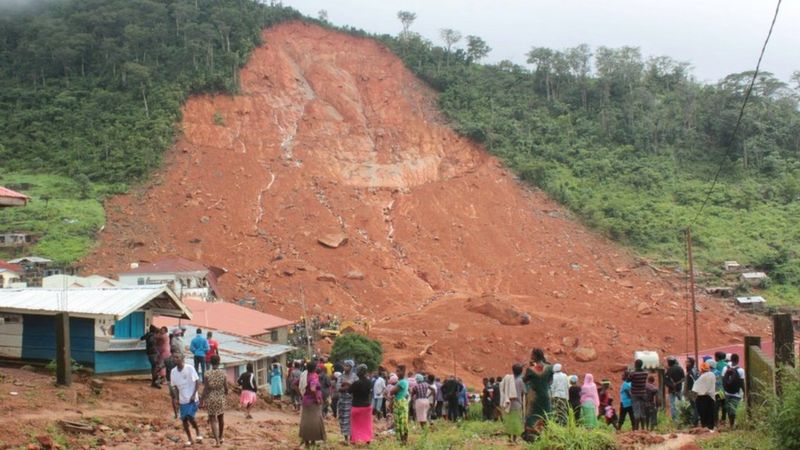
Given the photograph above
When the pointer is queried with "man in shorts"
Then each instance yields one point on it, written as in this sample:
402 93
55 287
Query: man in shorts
184 383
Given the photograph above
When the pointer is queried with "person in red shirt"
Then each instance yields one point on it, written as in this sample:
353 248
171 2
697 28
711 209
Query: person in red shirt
213 347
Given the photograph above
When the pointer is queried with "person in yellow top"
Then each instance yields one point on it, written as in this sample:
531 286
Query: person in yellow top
328 367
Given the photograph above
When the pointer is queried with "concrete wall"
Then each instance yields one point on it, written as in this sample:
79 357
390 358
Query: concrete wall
10 336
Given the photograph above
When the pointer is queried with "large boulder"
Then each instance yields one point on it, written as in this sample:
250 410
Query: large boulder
585 354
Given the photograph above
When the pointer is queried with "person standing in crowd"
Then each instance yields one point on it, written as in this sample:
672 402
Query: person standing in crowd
432 392
625 401
378 386
575 397
652 405
421 401
719 368
186 383
400 405
164 353
638 380
214 392
538 378
327 386
450 391
361 412
334 394
312 426
293 385
512 389
691 375
276 382
733 385
247 381
559 390
199 347
590 402
328 367
439 398
345 398
497 410
604 391
486 398
674 381
705 389
213 347
463 400
149 339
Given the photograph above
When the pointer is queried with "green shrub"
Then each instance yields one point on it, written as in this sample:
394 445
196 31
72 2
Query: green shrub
574 437
784 413
361 349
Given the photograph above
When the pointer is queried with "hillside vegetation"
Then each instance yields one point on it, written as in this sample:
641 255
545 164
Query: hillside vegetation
630 144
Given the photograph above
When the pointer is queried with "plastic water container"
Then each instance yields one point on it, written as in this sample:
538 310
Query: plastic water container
649 358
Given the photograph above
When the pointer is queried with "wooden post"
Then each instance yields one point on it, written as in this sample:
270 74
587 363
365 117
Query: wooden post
691 290
63 354
783 338
749 341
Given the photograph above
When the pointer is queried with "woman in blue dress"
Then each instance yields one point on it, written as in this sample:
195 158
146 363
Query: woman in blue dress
276 382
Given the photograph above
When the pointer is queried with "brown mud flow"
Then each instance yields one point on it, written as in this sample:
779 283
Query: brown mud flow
332 137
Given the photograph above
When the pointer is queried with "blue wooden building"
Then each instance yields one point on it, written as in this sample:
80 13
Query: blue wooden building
105 324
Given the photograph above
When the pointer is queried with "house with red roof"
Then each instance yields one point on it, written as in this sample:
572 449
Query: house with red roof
244 335
11 198
186 278
9 274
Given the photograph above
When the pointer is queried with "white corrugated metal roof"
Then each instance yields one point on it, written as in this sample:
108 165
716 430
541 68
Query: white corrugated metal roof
117 302
31 259
238 349
744 275
754 299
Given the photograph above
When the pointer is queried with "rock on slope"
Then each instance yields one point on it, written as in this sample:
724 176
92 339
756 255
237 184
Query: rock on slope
331 135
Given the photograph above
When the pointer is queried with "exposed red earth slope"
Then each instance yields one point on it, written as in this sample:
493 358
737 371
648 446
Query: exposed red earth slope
332 134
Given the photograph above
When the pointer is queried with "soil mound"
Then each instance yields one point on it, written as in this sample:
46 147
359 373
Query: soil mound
331 171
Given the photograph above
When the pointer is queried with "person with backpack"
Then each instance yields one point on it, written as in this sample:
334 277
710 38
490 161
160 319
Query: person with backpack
733 385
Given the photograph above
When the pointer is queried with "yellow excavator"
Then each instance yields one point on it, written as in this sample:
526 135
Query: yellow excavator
347 326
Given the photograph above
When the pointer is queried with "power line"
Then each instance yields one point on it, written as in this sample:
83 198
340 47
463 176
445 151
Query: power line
741 112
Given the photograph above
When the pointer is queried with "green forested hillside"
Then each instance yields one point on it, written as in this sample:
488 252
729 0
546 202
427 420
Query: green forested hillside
632 144
629 143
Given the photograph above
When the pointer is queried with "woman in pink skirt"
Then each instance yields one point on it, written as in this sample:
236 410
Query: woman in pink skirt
247 381
361 413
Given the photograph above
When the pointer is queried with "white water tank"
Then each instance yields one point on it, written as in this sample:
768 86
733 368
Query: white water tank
649 358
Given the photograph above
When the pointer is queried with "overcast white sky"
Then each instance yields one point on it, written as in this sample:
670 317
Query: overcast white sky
717 37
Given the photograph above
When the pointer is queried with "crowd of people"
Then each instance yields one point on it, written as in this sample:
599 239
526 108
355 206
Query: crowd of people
525 400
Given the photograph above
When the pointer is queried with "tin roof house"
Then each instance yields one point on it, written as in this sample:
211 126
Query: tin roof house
186 278
105 324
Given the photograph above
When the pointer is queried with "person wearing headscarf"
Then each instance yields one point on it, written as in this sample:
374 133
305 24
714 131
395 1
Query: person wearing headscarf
538 378
312 426
346 398
575 397
400 405
422 404
560 392
276 382
590 401
512 390
705 389
361 411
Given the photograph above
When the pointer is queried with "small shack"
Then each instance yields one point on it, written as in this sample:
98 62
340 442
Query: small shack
754 302
754 278
9 274
105 324
731 266
187 278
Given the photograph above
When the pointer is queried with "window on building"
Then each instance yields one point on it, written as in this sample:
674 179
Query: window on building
140 281
273 335
130 327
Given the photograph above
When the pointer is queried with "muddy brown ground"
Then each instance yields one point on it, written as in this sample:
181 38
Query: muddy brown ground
446 249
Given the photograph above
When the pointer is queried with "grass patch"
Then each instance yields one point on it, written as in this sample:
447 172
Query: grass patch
741 439
63 213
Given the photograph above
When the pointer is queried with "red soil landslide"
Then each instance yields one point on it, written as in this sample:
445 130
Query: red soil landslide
330 135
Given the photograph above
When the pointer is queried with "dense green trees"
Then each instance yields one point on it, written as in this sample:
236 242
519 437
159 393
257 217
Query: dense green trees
95 86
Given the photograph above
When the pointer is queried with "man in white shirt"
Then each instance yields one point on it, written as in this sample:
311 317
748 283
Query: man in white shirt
378 386
184 383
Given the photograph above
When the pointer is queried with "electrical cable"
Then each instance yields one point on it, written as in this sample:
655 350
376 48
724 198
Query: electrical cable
741 113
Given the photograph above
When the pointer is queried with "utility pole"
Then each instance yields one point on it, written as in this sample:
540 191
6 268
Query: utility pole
305 321
691 291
